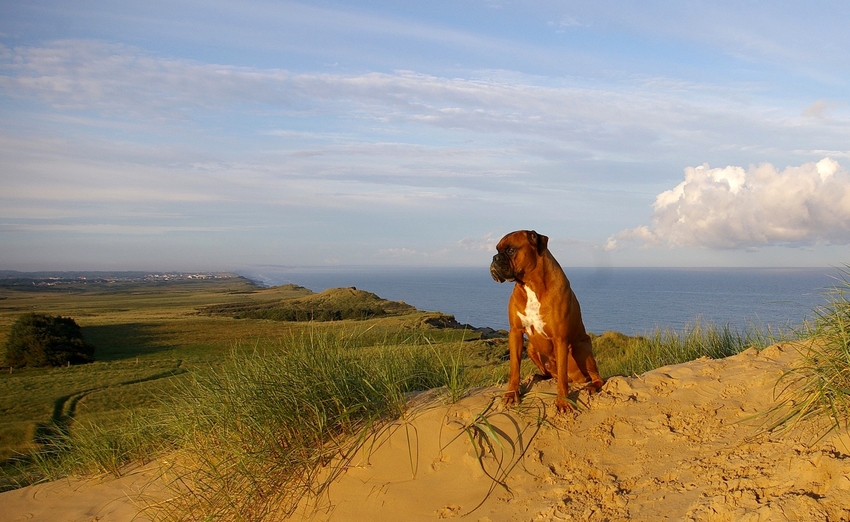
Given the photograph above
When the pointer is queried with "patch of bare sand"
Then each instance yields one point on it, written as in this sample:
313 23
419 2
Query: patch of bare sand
102 499
672 444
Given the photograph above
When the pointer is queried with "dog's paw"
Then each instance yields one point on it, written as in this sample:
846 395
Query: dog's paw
563 405
510 398
595 386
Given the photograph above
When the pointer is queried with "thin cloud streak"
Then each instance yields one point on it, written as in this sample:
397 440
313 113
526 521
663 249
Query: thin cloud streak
638 117
107 229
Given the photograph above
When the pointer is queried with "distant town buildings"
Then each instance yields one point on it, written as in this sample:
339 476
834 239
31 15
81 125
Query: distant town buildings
10 278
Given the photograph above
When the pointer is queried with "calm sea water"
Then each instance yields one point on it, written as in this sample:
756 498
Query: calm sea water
628 300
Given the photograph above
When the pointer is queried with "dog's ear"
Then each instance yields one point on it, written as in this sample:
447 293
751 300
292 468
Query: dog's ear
538 240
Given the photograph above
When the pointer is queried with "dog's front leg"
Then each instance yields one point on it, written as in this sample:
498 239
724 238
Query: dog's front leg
562 353
515 345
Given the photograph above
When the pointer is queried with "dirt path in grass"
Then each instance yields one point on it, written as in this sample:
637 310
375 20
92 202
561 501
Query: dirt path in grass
672 444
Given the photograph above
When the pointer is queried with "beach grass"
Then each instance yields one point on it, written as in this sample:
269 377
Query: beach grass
635 355
274 427
818 386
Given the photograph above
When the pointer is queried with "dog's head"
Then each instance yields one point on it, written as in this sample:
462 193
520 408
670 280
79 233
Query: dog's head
518 253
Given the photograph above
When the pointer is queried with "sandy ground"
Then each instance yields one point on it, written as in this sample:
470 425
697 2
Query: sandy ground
672 444
84 500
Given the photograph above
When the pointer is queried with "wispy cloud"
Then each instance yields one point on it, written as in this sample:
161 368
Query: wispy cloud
564 24
821 109
107 229
486 243
633 119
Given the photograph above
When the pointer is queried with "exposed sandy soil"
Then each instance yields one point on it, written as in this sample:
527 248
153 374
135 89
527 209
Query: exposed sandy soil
672 444
84 500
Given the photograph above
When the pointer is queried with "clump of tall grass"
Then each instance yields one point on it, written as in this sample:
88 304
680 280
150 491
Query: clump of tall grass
818 386
665 346
274 427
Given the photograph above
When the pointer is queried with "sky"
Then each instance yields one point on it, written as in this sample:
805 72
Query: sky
217 135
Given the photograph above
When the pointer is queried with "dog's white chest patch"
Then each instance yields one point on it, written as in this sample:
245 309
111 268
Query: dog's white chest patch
531 319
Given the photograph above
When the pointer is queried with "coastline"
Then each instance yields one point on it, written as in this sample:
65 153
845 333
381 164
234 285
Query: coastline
634 301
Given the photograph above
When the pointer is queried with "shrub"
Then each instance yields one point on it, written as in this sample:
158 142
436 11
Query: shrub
43 340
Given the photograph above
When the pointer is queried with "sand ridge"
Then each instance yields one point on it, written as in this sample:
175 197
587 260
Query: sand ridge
671 444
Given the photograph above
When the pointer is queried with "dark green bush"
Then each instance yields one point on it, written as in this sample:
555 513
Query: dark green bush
43 340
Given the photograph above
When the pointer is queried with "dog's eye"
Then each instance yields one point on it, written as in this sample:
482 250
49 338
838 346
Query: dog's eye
510 251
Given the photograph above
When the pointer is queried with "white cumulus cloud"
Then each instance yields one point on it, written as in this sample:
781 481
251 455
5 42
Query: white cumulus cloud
733 207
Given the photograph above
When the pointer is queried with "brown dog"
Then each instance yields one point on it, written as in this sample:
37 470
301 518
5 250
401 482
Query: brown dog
545 309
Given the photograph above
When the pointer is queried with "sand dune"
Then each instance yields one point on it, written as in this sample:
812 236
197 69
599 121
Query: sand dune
672 444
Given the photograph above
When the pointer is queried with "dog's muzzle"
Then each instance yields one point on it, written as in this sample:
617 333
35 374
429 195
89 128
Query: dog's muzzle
500 269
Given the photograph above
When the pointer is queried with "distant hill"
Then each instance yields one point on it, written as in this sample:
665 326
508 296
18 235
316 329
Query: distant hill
334 304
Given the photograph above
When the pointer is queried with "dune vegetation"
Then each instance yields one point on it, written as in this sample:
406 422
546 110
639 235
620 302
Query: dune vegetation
258 403
818 387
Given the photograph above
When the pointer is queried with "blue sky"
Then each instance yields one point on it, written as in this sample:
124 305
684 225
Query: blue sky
218 135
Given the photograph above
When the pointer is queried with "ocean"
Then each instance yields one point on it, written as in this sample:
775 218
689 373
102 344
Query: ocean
629 300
